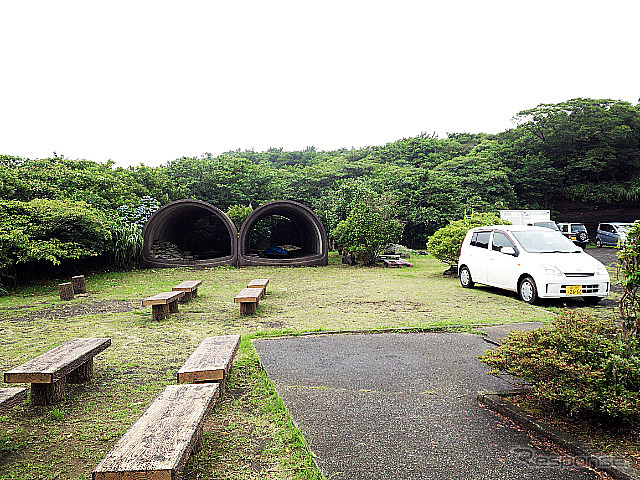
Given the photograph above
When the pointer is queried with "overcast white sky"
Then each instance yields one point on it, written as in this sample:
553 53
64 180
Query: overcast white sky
148 82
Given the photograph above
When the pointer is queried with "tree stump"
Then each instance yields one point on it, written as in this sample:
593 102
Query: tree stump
66 291
79 284
160 312
82 374
48 393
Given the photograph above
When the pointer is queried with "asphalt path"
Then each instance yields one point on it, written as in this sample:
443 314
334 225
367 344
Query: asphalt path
403 406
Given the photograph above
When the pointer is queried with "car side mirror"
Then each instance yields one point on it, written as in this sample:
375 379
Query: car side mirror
508 251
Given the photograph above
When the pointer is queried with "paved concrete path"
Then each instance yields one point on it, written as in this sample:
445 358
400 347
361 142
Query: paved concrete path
403 406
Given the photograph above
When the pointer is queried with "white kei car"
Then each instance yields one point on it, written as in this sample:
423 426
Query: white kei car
536 262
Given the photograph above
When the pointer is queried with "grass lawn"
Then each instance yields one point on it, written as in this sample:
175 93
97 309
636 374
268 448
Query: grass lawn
250 434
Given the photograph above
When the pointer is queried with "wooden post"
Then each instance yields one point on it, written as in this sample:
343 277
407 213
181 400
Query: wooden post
66 291
160 312
48 393
248 308
173 306
82 374
186 297
79 284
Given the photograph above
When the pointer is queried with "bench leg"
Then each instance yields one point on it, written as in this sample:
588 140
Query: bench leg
160 312
186 298
81 374
194 292
248 308
48 393
173 307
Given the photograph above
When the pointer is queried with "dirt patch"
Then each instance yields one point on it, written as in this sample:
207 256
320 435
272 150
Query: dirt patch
74 309
606 256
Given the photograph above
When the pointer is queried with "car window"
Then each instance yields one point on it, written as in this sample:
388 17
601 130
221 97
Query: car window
578 227
480 239
499 241
605 227
544 242
565 228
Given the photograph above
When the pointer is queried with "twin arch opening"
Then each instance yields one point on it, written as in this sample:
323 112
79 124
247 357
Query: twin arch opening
195 233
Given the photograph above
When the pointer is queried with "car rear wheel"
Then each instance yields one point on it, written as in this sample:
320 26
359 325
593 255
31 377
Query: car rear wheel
528 291
581 237
465 278
598 243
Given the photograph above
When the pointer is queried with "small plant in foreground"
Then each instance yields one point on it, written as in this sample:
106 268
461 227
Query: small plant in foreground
578 362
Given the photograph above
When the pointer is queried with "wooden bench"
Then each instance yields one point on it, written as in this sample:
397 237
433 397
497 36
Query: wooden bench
49 373
211 361
259 283
10 397
163 304
158 445
248 299
190 289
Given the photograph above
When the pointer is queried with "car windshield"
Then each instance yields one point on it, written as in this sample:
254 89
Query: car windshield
624 228
538 241
551 225
578 228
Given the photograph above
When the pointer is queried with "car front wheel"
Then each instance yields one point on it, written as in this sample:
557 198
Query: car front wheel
528 291
465 278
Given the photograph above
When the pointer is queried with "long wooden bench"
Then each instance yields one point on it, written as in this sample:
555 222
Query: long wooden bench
10 397
211 361
248 298
190 289
259 283
163 304
49 373
158 445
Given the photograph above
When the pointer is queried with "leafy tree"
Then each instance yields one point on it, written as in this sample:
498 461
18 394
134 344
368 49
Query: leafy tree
446 242
239 213
369 228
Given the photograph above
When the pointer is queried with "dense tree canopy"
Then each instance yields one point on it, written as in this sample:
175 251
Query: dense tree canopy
584 149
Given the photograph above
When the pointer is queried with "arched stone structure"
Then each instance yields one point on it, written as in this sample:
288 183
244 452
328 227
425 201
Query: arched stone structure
306 234
189 233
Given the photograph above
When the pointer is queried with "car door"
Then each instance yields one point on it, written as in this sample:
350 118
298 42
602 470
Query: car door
502 268
608 234
477 255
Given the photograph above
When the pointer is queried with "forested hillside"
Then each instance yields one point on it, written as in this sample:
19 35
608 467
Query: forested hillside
583 150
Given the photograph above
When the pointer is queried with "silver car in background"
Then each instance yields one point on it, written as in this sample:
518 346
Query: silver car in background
612 233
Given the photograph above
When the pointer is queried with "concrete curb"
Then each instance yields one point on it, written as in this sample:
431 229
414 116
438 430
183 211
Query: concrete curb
617 467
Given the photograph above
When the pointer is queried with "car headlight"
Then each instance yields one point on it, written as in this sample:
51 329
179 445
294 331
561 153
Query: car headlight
551 270
602 270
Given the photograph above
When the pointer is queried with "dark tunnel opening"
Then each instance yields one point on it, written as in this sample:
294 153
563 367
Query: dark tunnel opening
283 233
188 232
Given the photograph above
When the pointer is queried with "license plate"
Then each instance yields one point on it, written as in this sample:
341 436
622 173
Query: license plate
574 289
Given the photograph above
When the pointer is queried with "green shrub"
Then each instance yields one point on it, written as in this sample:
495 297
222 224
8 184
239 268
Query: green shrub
629 267
578 362
239 213
369 228
445 243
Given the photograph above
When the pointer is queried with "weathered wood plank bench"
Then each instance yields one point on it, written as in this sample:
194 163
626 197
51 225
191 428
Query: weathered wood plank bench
248 298
211 361
49 373
259 283
158 445
163 304
190 289
10 397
